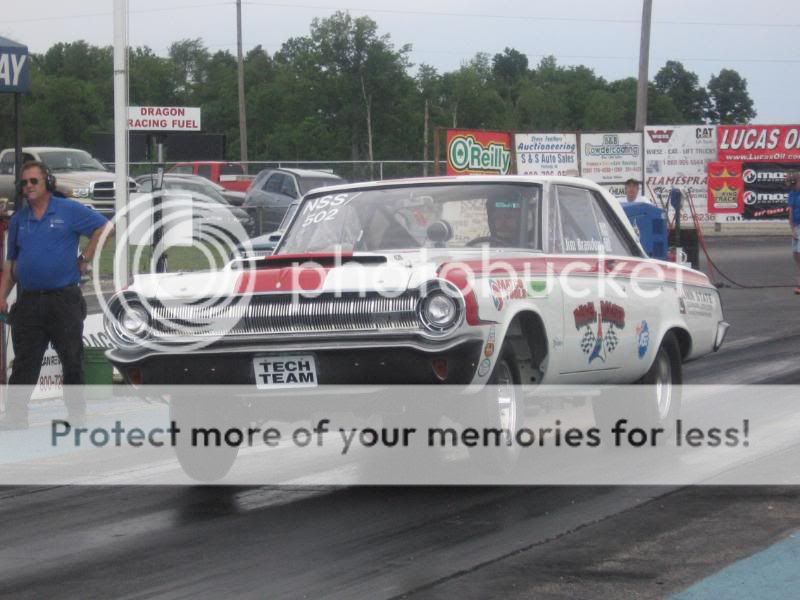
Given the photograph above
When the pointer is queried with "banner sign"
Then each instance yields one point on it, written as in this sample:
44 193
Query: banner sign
765 193
546 153
14 66
611 157
163 118
759 143
677 156
725 188
471 152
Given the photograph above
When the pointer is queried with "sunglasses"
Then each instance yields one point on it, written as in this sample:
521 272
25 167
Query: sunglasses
32 181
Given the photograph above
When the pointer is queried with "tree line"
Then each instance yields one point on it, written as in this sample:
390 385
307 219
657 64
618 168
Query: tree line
347 92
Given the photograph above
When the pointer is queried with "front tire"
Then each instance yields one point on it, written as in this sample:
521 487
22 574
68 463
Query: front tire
200 462
500 407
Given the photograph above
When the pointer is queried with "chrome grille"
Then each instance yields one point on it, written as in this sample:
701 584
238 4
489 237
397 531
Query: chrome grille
104 190
286 314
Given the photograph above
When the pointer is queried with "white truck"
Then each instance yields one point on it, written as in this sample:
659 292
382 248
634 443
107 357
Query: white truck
78 175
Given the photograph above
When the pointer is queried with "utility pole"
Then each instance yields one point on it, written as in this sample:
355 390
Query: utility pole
425 141
121 270
644 61
242 115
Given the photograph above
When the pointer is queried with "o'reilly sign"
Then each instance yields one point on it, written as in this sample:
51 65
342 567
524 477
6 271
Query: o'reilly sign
472 151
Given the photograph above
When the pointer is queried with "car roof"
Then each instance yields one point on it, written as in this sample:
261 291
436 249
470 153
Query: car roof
49 148
300 172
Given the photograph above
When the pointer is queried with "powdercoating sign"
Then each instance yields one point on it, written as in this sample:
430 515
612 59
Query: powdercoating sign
546 153
759 143
472 152
677 156
14 63
163 118
611 157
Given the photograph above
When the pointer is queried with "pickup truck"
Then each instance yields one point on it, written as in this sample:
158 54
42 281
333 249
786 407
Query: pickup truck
77 174
229 175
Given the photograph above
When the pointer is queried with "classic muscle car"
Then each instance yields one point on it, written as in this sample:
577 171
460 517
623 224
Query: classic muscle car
464 280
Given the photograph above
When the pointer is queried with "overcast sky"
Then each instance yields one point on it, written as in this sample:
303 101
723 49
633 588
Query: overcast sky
761 40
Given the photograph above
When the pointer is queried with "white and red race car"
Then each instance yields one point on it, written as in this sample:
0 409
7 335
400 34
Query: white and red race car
464 280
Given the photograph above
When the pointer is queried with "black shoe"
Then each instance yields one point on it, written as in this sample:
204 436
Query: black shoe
7 424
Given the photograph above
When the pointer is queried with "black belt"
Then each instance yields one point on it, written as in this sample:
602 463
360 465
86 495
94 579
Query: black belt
52 292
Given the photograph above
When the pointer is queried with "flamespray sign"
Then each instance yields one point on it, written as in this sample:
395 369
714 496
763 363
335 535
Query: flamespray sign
677 156
546 153
609 158
163 118
478 152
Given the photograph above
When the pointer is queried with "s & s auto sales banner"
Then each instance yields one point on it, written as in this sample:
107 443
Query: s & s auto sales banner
473 152
546 153
677 156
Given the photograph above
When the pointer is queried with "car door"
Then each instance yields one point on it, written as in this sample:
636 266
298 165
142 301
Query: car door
279 200
597 330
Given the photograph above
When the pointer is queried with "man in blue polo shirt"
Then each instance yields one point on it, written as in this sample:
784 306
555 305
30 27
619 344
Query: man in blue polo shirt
42 260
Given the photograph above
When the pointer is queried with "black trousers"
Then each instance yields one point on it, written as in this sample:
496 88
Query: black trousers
37 319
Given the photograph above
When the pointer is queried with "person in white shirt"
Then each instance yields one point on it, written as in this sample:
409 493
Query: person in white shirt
632 192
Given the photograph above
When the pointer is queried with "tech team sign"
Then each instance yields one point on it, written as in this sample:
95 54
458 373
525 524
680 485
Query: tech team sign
164 118
475 152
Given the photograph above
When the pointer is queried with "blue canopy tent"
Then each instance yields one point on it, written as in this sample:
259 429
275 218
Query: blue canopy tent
14 78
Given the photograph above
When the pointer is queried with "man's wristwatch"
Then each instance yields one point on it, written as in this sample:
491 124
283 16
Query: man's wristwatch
82 258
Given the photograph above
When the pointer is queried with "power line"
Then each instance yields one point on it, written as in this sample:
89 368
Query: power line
517 17
635 22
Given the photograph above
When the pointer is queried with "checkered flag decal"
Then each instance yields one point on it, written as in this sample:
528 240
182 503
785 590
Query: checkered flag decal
611 339
587 341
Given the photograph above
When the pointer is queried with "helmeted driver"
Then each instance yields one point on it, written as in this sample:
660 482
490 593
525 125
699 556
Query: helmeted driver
505 217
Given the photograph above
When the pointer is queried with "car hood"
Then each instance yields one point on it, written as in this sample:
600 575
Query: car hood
323 273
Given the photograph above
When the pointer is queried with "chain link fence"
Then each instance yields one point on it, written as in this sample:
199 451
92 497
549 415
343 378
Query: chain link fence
351 170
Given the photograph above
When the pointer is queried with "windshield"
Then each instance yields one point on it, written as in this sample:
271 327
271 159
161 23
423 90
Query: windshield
409 217
71 160
311 183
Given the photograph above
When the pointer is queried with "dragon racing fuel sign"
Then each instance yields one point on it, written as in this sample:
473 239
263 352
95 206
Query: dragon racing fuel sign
478 152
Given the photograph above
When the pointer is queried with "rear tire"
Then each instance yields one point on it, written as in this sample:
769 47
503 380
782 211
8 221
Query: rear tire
656 405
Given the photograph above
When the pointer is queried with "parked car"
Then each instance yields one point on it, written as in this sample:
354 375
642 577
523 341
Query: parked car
229 175
264 245
463 280
233 198
78 175
273 190
216 210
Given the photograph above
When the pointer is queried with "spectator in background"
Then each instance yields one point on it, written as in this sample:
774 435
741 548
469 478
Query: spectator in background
43 259
632 192
793 181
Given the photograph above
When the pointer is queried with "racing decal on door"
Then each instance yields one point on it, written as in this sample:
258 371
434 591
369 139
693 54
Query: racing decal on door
600 335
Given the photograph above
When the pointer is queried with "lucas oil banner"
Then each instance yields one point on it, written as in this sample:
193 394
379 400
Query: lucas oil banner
472 152
759 143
